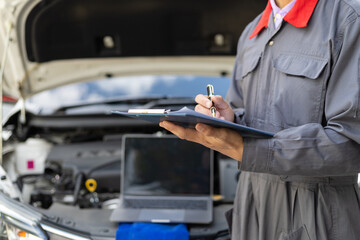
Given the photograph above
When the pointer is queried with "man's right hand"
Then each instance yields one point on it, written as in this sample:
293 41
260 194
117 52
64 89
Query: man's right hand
223 110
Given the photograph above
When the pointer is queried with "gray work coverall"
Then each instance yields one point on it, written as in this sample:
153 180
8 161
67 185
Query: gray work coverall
302 84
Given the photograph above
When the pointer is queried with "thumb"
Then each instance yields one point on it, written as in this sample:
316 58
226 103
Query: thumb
220 102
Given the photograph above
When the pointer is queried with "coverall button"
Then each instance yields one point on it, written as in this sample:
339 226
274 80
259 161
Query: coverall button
271 43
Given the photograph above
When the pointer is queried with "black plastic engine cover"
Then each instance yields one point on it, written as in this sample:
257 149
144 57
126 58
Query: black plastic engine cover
98 160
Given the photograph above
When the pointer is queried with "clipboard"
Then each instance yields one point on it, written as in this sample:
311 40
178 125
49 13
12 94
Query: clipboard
189 118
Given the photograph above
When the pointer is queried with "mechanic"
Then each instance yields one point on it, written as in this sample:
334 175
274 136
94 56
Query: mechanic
297 74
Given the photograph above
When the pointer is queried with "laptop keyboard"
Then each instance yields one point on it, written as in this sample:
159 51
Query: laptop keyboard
166 204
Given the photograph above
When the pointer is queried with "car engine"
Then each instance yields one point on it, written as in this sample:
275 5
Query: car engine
67 170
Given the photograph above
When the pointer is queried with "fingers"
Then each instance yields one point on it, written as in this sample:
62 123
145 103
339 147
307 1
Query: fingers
206 111
183 133
200 134
223 110
219 102
206 103
222 140
203 100
201 109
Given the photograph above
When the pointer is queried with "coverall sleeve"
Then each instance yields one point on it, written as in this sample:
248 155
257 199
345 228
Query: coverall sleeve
316 149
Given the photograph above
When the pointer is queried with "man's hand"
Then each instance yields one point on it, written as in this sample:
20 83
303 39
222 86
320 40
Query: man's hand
223 140
223 110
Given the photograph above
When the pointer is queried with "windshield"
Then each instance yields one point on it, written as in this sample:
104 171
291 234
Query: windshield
130 87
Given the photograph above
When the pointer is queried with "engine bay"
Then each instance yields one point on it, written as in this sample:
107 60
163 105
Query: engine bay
72 174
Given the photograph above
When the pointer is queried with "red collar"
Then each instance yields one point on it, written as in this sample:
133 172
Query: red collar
298 16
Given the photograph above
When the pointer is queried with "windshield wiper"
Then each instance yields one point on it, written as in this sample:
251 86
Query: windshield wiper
169 101
143 102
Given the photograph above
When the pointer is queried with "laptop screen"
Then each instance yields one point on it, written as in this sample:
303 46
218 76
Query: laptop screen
165 165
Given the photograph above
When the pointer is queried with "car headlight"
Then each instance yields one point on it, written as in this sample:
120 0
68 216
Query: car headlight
11 232
19 221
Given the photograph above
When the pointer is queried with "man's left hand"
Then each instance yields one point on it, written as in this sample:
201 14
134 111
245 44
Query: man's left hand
225 141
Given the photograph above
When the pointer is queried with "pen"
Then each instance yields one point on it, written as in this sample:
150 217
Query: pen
210 92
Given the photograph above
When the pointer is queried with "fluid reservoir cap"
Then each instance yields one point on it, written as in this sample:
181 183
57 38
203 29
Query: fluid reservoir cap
91 185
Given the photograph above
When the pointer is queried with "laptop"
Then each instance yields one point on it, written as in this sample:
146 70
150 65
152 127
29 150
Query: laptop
165 180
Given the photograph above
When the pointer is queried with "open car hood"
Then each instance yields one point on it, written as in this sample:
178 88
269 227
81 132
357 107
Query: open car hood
55 42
